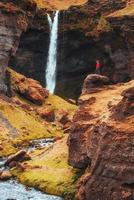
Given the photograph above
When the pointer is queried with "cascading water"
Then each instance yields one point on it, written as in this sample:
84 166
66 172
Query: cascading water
49 21
52 54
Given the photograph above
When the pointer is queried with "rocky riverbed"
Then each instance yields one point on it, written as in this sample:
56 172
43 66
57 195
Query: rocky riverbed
13 190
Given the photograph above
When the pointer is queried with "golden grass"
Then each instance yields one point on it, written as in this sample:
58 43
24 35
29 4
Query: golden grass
129 10
58 4
50 172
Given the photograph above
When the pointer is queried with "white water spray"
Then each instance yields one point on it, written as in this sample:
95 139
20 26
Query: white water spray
52 54
49 21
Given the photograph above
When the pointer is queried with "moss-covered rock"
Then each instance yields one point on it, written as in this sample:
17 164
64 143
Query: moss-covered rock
49 171
20 121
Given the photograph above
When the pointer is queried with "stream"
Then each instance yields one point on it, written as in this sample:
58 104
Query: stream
13 190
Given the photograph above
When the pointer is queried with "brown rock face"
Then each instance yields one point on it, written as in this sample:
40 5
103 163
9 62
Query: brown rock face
28 88
102 142
84 36
13 21
46 114
125 107
94 81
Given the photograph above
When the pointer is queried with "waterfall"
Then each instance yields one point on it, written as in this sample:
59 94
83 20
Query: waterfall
49 21
52 54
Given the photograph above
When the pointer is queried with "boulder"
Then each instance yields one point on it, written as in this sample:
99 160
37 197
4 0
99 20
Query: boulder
5 175
93 82
28 88
19 156
47 114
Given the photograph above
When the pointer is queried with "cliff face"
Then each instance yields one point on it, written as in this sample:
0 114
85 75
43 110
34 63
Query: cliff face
14 18
86 32
101 140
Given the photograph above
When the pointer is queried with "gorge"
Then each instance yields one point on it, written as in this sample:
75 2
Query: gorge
49 91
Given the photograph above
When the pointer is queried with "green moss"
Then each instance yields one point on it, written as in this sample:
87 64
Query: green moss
50 172
57 104
28 126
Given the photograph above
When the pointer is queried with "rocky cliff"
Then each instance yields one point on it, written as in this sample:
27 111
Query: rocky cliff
86 32
101 140
14 19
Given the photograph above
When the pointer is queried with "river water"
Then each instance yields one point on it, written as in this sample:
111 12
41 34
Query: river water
13 190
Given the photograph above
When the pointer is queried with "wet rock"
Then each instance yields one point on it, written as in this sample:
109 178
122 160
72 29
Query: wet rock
47 114
12 164
5 175
19 156
93 82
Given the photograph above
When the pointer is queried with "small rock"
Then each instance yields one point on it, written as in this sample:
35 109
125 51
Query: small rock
20 166
5 175
47 114
12 164
72 101
1 147
63 118
19 156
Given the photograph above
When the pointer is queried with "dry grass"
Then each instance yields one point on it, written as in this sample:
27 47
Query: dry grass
129 10
58 4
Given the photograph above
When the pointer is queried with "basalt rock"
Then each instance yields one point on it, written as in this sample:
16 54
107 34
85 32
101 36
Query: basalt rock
103 144
86 33
63 117
28 88
5 175
94 81
19 156
125 107
47 114
14 19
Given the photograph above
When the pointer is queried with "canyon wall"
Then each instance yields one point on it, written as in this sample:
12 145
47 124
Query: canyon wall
101 140
86 32
14 19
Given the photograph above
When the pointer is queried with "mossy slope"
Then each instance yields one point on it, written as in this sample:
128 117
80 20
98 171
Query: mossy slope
25 122
48 171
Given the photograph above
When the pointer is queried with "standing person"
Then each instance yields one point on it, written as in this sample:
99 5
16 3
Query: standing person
98 66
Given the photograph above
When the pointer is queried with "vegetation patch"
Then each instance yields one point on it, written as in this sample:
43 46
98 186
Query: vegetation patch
49 171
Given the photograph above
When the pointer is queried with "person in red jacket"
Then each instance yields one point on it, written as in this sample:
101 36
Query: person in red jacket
98 66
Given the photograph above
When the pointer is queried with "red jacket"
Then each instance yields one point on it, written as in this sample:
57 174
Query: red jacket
98 65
